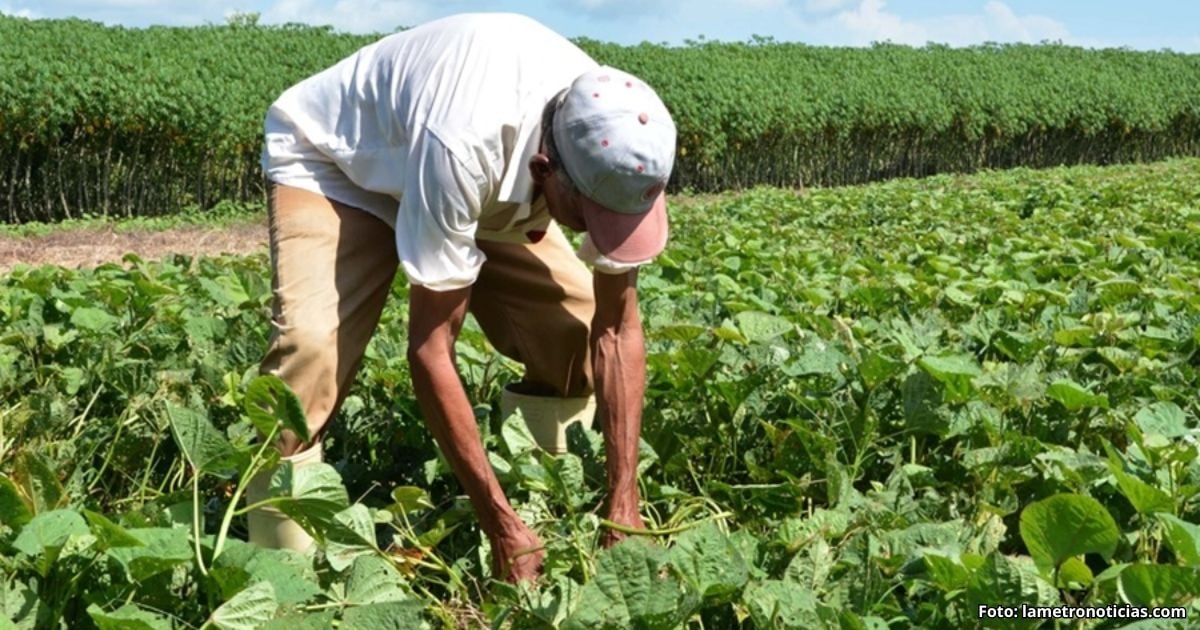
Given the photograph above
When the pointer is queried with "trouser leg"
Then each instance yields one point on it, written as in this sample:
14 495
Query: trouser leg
333 267
535 304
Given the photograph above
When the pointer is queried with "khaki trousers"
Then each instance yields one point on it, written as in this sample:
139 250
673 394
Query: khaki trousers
333 267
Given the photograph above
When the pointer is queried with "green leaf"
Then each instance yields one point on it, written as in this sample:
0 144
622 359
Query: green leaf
312 494
14 512
1074 573
633 589
307 621
386 616
1183 538
127 617
1162 418
411 498
39 482
93 319
205 448
710 563
1074 397
779 604
49 531
1012 580
289 572
248 610
515 435
1067 525
108 534
269 403
954 371
374 580
759 326
1159 585
350 535
1146 499
565 473
161 550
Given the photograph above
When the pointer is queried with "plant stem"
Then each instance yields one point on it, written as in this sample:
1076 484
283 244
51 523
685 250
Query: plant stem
196 521
667 531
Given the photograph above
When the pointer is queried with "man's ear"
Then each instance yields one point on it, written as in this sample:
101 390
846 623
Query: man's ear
539 168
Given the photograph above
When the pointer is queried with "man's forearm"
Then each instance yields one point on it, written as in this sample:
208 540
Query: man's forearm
450 418
620 375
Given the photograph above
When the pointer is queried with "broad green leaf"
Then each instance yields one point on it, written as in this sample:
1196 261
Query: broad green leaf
312 494
93 319
954 371
374 580
1183 538
306 621
565 474
289 572
1074 573
515 435
875 368
710 563
13 510
109 534
759 326
1162 418
1012 580
633 588
269 402
161 549
1074 397
349 536
39 482
49 531
1159 585
1146 499
946 572
780 604
386 616
1067 525
127 617
247 610
205 448
411 499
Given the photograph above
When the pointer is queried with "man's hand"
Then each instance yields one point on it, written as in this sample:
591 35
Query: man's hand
620 373
435 319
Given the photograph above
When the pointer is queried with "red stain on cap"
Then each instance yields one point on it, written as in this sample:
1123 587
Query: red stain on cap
596 94
604 78
629 84
643 118
641 168
653 191
604 142
535 236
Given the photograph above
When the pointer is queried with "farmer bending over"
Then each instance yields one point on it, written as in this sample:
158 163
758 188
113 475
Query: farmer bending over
454 150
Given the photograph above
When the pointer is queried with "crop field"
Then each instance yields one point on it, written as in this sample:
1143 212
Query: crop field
879 406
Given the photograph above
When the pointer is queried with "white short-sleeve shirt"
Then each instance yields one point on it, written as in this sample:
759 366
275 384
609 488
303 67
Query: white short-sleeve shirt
433 128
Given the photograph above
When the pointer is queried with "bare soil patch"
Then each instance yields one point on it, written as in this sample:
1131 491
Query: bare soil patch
90 247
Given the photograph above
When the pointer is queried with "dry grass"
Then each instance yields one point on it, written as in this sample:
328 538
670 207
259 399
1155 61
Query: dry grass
89 247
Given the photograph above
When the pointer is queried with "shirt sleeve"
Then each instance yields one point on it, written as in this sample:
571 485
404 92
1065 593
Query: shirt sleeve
438 215
600 263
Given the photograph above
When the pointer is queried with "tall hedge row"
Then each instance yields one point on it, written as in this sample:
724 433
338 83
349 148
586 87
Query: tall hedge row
142 121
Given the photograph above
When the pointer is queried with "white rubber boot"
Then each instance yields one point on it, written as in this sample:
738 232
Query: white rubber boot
267 526
548 417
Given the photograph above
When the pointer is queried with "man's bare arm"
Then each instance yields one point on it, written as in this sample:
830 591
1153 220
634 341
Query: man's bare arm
435 319
619 349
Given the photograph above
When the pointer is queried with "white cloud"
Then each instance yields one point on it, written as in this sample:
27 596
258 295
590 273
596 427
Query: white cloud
21 12
826 6
356 16
872 21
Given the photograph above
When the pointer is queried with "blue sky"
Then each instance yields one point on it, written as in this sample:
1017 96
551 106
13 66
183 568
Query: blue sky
1146 25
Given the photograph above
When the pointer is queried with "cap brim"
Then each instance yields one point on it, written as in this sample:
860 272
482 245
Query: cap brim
624 237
